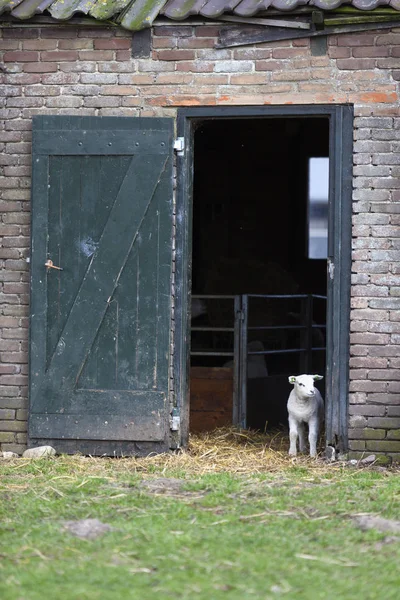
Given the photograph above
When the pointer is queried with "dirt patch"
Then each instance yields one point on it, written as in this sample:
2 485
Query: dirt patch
169 486
88 529
366 522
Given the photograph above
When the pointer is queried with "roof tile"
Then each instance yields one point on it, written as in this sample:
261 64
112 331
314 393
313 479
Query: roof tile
139 14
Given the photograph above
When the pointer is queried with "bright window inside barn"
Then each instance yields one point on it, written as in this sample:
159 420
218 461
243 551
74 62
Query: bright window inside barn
318 192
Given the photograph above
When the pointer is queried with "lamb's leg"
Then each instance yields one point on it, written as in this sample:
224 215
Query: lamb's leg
313 436
293 432
302 437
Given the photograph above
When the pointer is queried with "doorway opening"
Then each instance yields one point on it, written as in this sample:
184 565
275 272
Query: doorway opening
259 266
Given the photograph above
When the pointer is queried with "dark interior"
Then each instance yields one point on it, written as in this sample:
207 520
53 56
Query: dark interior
250 236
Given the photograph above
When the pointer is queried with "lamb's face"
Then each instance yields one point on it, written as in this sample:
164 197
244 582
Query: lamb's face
304 385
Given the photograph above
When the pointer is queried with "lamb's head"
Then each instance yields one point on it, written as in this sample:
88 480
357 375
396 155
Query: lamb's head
304 384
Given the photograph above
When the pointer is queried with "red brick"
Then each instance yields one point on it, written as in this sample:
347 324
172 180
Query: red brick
289 52
78 44
96 32
361 39
175 55
22 78
267 65
9 44
180 78
368 362
195 66
5 438
174 30
20 56
207 31
96 55
356 445
112 44
251 78
193 43
14 357
164 42
355 64
131 101
9 253
13 380
339 52
301 42
394 387
39 67
123 55
118 90
39 44
371 51
9 206
8 321
58 32
13 426
211 79
59 56
9 229
389 39
16 288
18 33
367 386
367 410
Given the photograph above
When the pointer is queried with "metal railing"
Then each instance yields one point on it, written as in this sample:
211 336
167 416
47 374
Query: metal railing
241 316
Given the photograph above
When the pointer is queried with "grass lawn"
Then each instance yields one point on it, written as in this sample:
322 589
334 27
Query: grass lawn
198 525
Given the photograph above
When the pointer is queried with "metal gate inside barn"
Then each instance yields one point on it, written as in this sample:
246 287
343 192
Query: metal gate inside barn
115 262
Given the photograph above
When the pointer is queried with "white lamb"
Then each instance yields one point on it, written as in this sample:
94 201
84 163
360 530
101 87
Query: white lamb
305 405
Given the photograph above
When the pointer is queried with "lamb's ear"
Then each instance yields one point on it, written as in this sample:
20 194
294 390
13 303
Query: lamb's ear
292 379
317 377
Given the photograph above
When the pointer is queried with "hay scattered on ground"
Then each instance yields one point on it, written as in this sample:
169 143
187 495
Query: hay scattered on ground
232 450
226 449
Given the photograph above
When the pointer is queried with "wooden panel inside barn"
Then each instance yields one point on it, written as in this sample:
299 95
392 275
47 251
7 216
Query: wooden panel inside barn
211 394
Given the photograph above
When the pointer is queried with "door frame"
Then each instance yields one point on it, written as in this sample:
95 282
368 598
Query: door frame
338 263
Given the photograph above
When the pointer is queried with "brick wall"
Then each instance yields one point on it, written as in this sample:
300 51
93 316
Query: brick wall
91 72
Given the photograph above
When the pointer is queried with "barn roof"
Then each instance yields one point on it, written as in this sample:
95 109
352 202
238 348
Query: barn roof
139 14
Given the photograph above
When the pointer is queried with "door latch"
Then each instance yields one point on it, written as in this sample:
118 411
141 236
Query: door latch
49 264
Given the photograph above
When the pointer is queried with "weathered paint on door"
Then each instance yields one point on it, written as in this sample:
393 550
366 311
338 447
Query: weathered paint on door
100 327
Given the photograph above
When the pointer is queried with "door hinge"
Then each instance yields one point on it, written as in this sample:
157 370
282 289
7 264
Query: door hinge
331 269
175 420
240 315
179 146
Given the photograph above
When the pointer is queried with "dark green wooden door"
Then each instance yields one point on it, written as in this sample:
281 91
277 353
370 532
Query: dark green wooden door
100 327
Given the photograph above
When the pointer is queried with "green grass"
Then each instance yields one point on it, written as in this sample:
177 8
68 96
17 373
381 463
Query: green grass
286 534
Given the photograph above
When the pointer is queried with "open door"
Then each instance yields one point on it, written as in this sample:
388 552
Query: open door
249 224
101 284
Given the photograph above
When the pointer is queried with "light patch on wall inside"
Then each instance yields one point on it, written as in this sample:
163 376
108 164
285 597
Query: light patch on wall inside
318 195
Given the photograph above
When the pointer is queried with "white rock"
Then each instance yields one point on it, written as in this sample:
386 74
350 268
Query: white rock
330 453
368 459
9 455
39 452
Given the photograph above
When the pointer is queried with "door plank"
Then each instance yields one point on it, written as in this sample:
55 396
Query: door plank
92 143
99 283
102 427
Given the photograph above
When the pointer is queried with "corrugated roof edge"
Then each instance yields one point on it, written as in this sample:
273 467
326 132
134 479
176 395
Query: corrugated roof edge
135 15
